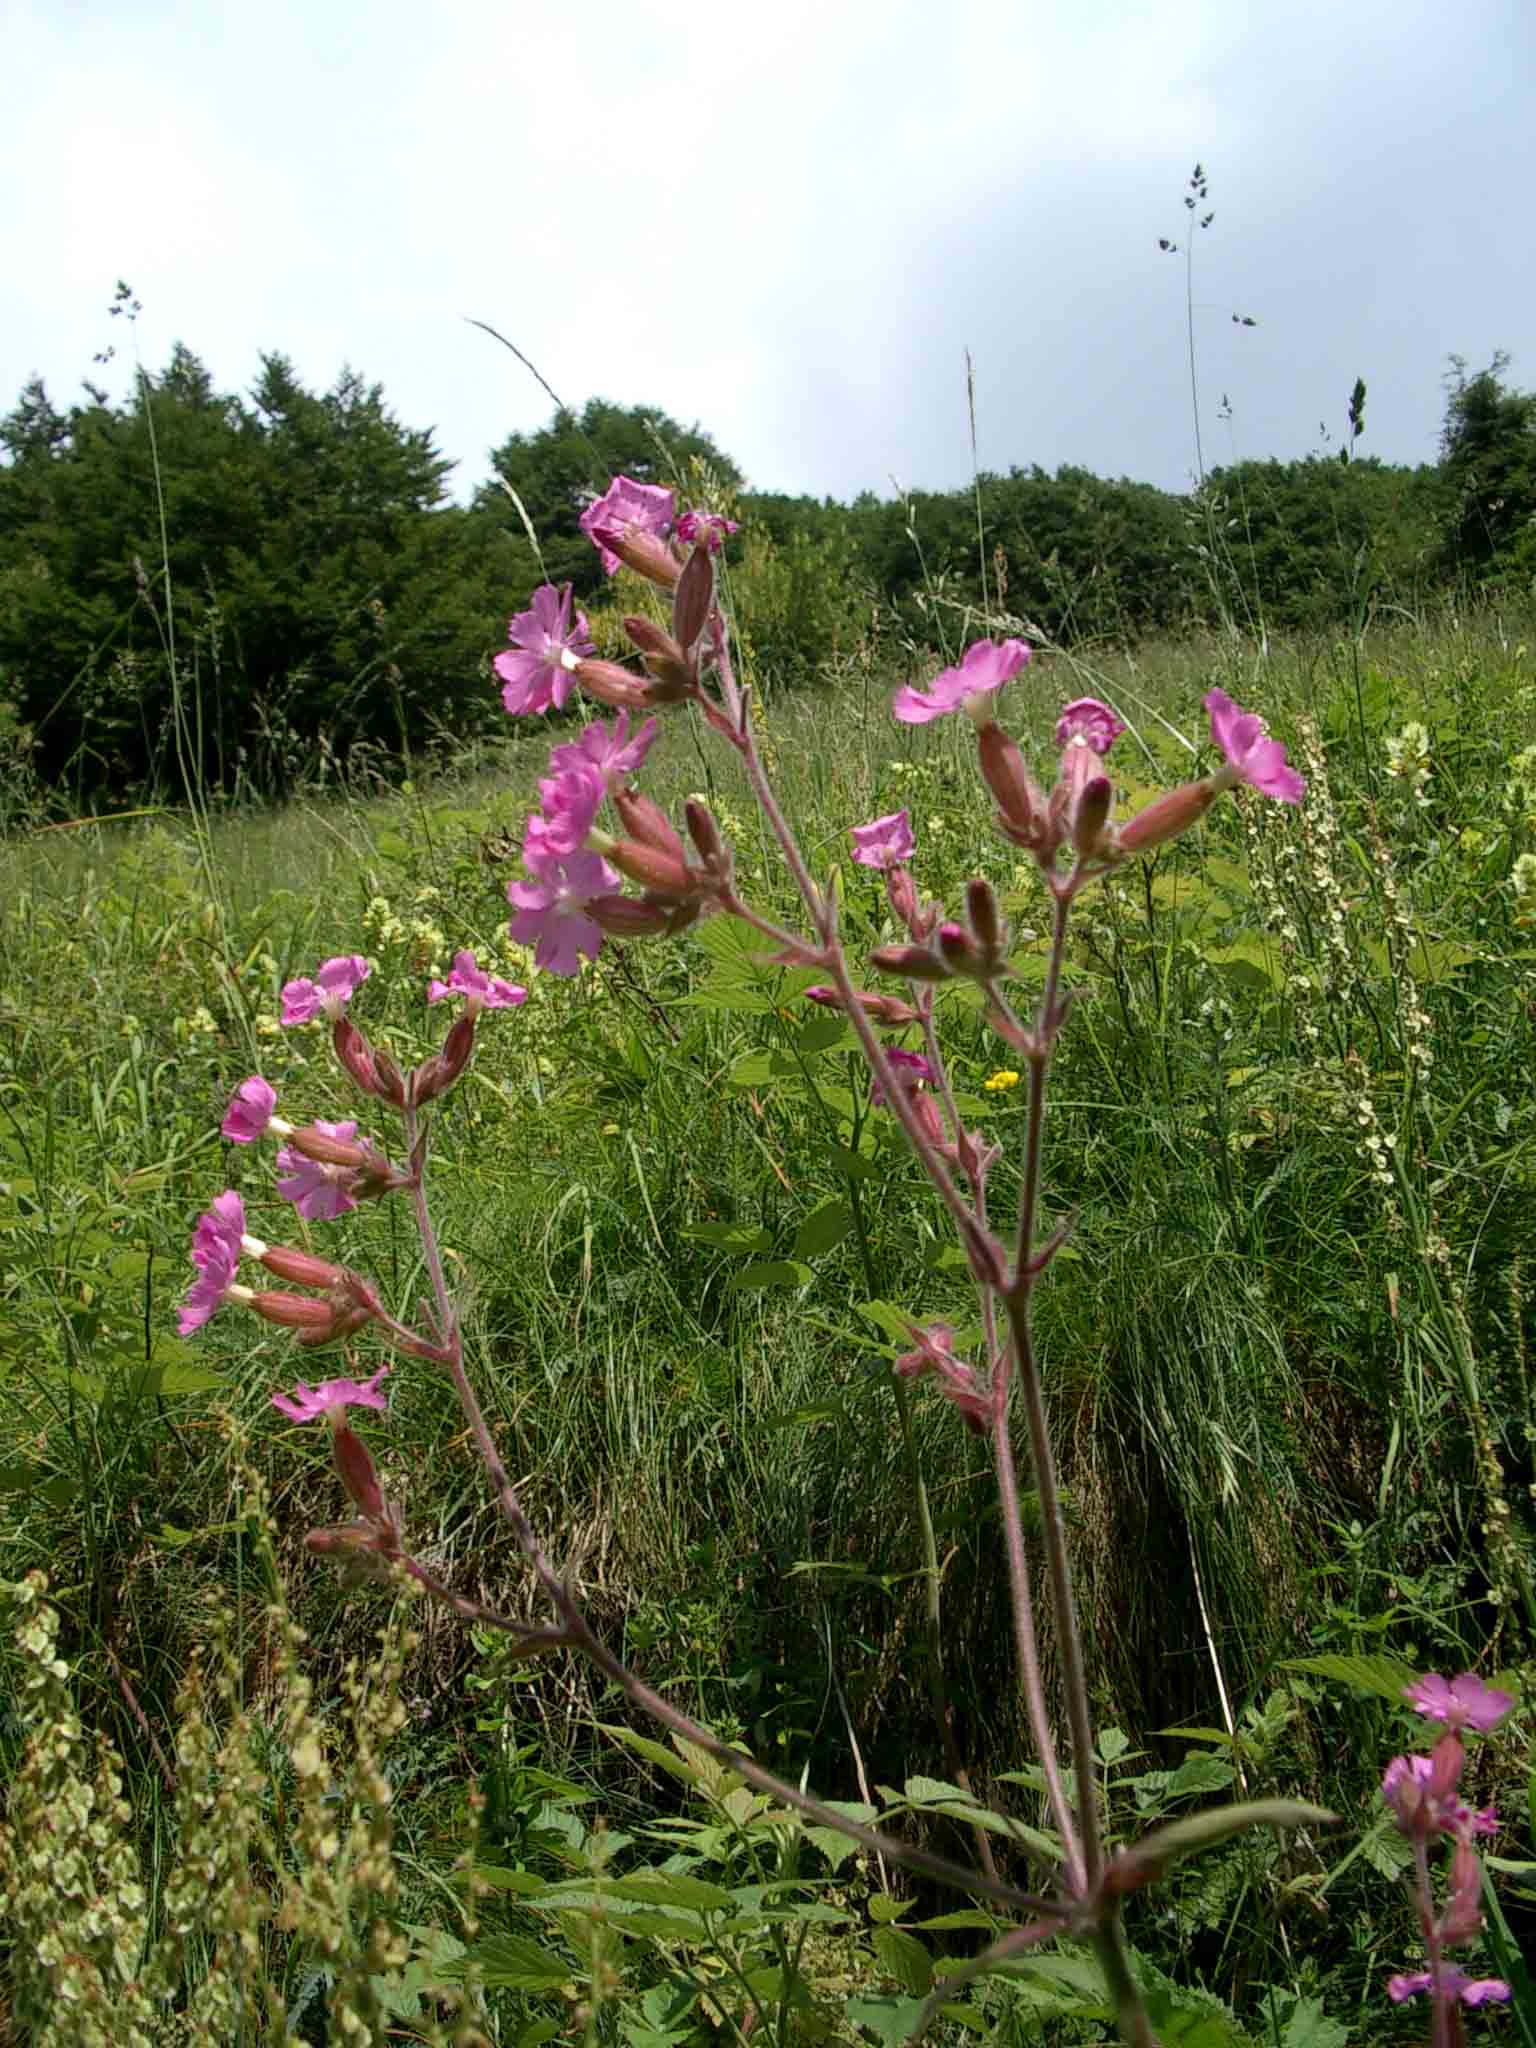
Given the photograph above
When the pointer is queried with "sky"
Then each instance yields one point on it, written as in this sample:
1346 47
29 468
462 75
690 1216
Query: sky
789 223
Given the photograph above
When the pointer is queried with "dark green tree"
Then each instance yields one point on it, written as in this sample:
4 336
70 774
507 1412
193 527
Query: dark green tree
1488 459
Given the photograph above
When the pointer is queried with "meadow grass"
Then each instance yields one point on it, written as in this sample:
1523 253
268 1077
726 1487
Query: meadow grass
1288 1348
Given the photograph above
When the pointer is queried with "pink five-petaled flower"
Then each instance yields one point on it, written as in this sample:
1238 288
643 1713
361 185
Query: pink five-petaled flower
335 983
216 1245
1463 1702
627 511
250 1111
317 1190
884 842
551 910
1453 1982
985 667
570 803
533 670
1252 756
1089 721
331 1397
710 528
486 991
613 755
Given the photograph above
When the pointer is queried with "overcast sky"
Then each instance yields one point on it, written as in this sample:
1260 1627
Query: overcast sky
789 221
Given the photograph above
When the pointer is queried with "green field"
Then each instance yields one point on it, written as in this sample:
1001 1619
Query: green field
1287 1352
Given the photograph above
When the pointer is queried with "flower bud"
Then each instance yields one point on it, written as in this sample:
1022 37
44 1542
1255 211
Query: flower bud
354 1461
668 874
346 1320
320 1146
645 554
1022 813
890 1011
986 919
1462 1919
303 1269
296 1311
628 917
611 684
706 835
961 954
917 963
373 1072
694 596
436 1075
1167 816
645 820
666 662
1090 816
901 894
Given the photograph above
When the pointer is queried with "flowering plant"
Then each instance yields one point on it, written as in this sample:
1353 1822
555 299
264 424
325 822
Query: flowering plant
636 876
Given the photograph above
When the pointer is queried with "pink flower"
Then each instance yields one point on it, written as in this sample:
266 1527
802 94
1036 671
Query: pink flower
317 1190
1463 1702
1454 1983
535 676
911 1071
1421 1791
486 991
985 667
1252 757
627 511
551 911
884 842
250 1110
613 755
331 1397
216 1247
1089 721
334 985
571 800
709 527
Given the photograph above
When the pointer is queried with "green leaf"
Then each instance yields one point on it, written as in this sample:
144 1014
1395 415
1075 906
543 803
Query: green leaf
1113 1744
181 1379
942 1922
753 1070
730 1237
38 1481
770 1273
891 2020
826 1225
512 1962
904 1957
1199 1774
852 1164
1307 2028
888 1320
500 1879
805 1418
821 1034
653 1752
1385 1677
883 1907
672 1888
835 1847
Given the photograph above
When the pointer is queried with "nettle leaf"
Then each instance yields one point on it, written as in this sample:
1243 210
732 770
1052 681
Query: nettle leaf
904 1957
1307 2028
1199 1774
1385 1677
826 1225
834 1847
853 1164
514 1963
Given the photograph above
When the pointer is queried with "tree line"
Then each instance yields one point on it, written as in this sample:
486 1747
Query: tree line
201 586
